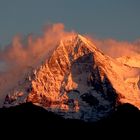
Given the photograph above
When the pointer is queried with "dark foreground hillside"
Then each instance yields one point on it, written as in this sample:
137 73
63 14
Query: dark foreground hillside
126 118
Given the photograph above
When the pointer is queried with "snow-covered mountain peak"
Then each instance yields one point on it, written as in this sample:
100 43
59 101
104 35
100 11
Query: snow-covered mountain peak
78 81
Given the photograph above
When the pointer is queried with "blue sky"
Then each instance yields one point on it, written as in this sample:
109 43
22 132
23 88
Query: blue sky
119 19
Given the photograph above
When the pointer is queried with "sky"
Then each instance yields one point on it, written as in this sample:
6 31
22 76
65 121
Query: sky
119 19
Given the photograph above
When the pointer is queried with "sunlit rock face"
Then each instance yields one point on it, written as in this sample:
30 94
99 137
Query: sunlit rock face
79 81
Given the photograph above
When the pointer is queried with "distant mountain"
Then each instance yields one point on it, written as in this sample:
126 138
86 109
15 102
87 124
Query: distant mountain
132 61
79 82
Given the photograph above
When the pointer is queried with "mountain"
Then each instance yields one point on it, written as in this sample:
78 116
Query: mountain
78 81
132 61
26 117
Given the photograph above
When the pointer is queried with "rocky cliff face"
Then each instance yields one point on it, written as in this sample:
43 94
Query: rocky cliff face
78 81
